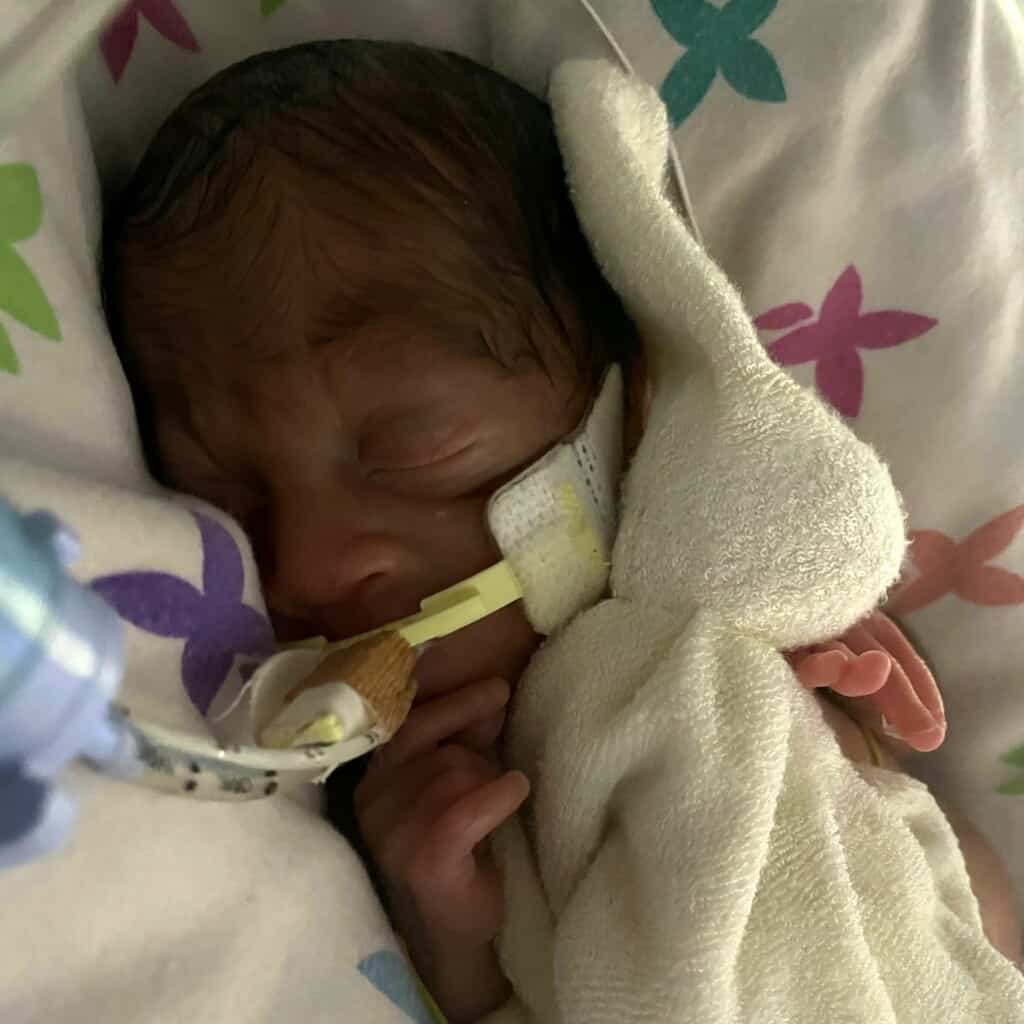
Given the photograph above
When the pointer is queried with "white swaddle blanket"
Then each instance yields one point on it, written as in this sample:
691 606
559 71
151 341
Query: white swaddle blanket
697 847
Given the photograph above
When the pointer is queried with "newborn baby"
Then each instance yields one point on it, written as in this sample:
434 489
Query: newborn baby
352 298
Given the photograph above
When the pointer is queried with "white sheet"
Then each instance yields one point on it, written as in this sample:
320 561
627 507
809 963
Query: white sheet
896 152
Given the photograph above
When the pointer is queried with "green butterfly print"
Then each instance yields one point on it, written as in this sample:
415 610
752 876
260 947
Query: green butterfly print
21 213
717 39
1015 787
267 7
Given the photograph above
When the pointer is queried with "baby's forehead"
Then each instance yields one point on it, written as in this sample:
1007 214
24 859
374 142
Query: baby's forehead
264 258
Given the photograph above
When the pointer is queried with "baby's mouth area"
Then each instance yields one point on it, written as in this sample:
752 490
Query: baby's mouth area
497 645
433 670
290 629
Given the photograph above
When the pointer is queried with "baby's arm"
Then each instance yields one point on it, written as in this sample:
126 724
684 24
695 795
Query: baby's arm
429 799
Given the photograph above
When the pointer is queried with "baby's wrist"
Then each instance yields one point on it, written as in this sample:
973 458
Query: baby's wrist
463 976
461 972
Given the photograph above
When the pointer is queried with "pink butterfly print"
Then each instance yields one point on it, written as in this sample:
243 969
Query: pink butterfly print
833 340
947 567
118 41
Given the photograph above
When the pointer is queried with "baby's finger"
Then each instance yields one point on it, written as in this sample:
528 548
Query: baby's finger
917 671
902 701
865 675
441 719
382 796
389 795
483 734
398 831
824 666
473 818
874 663
472 774
906 714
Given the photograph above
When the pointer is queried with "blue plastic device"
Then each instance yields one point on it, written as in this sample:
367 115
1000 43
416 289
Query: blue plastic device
60 665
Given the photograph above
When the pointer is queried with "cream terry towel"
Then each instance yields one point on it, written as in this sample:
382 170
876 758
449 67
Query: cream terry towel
697 849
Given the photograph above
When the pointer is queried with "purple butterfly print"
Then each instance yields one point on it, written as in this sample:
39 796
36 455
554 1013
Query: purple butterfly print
216 626
833 340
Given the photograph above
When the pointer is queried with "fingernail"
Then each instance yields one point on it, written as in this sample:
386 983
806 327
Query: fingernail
938 725
928 739
937 728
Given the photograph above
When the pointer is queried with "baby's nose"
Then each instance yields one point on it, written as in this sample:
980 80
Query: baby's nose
336 568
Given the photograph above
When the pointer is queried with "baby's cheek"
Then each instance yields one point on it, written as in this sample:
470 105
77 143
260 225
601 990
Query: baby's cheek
518 642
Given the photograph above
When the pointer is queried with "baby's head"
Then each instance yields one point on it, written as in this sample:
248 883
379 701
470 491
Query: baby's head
352 298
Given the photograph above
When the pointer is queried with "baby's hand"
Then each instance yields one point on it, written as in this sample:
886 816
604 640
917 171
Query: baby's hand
429 798
875 660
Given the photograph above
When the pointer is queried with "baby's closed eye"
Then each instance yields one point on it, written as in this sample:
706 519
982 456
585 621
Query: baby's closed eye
435 463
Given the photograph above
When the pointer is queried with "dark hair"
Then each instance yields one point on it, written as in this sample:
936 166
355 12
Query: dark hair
426 156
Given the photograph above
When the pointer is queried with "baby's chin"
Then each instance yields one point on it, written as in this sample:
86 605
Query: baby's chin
499 646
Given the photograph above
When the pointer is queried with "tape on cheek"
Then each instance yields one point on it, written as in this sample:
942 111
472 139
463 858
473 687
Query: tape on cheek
555 523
